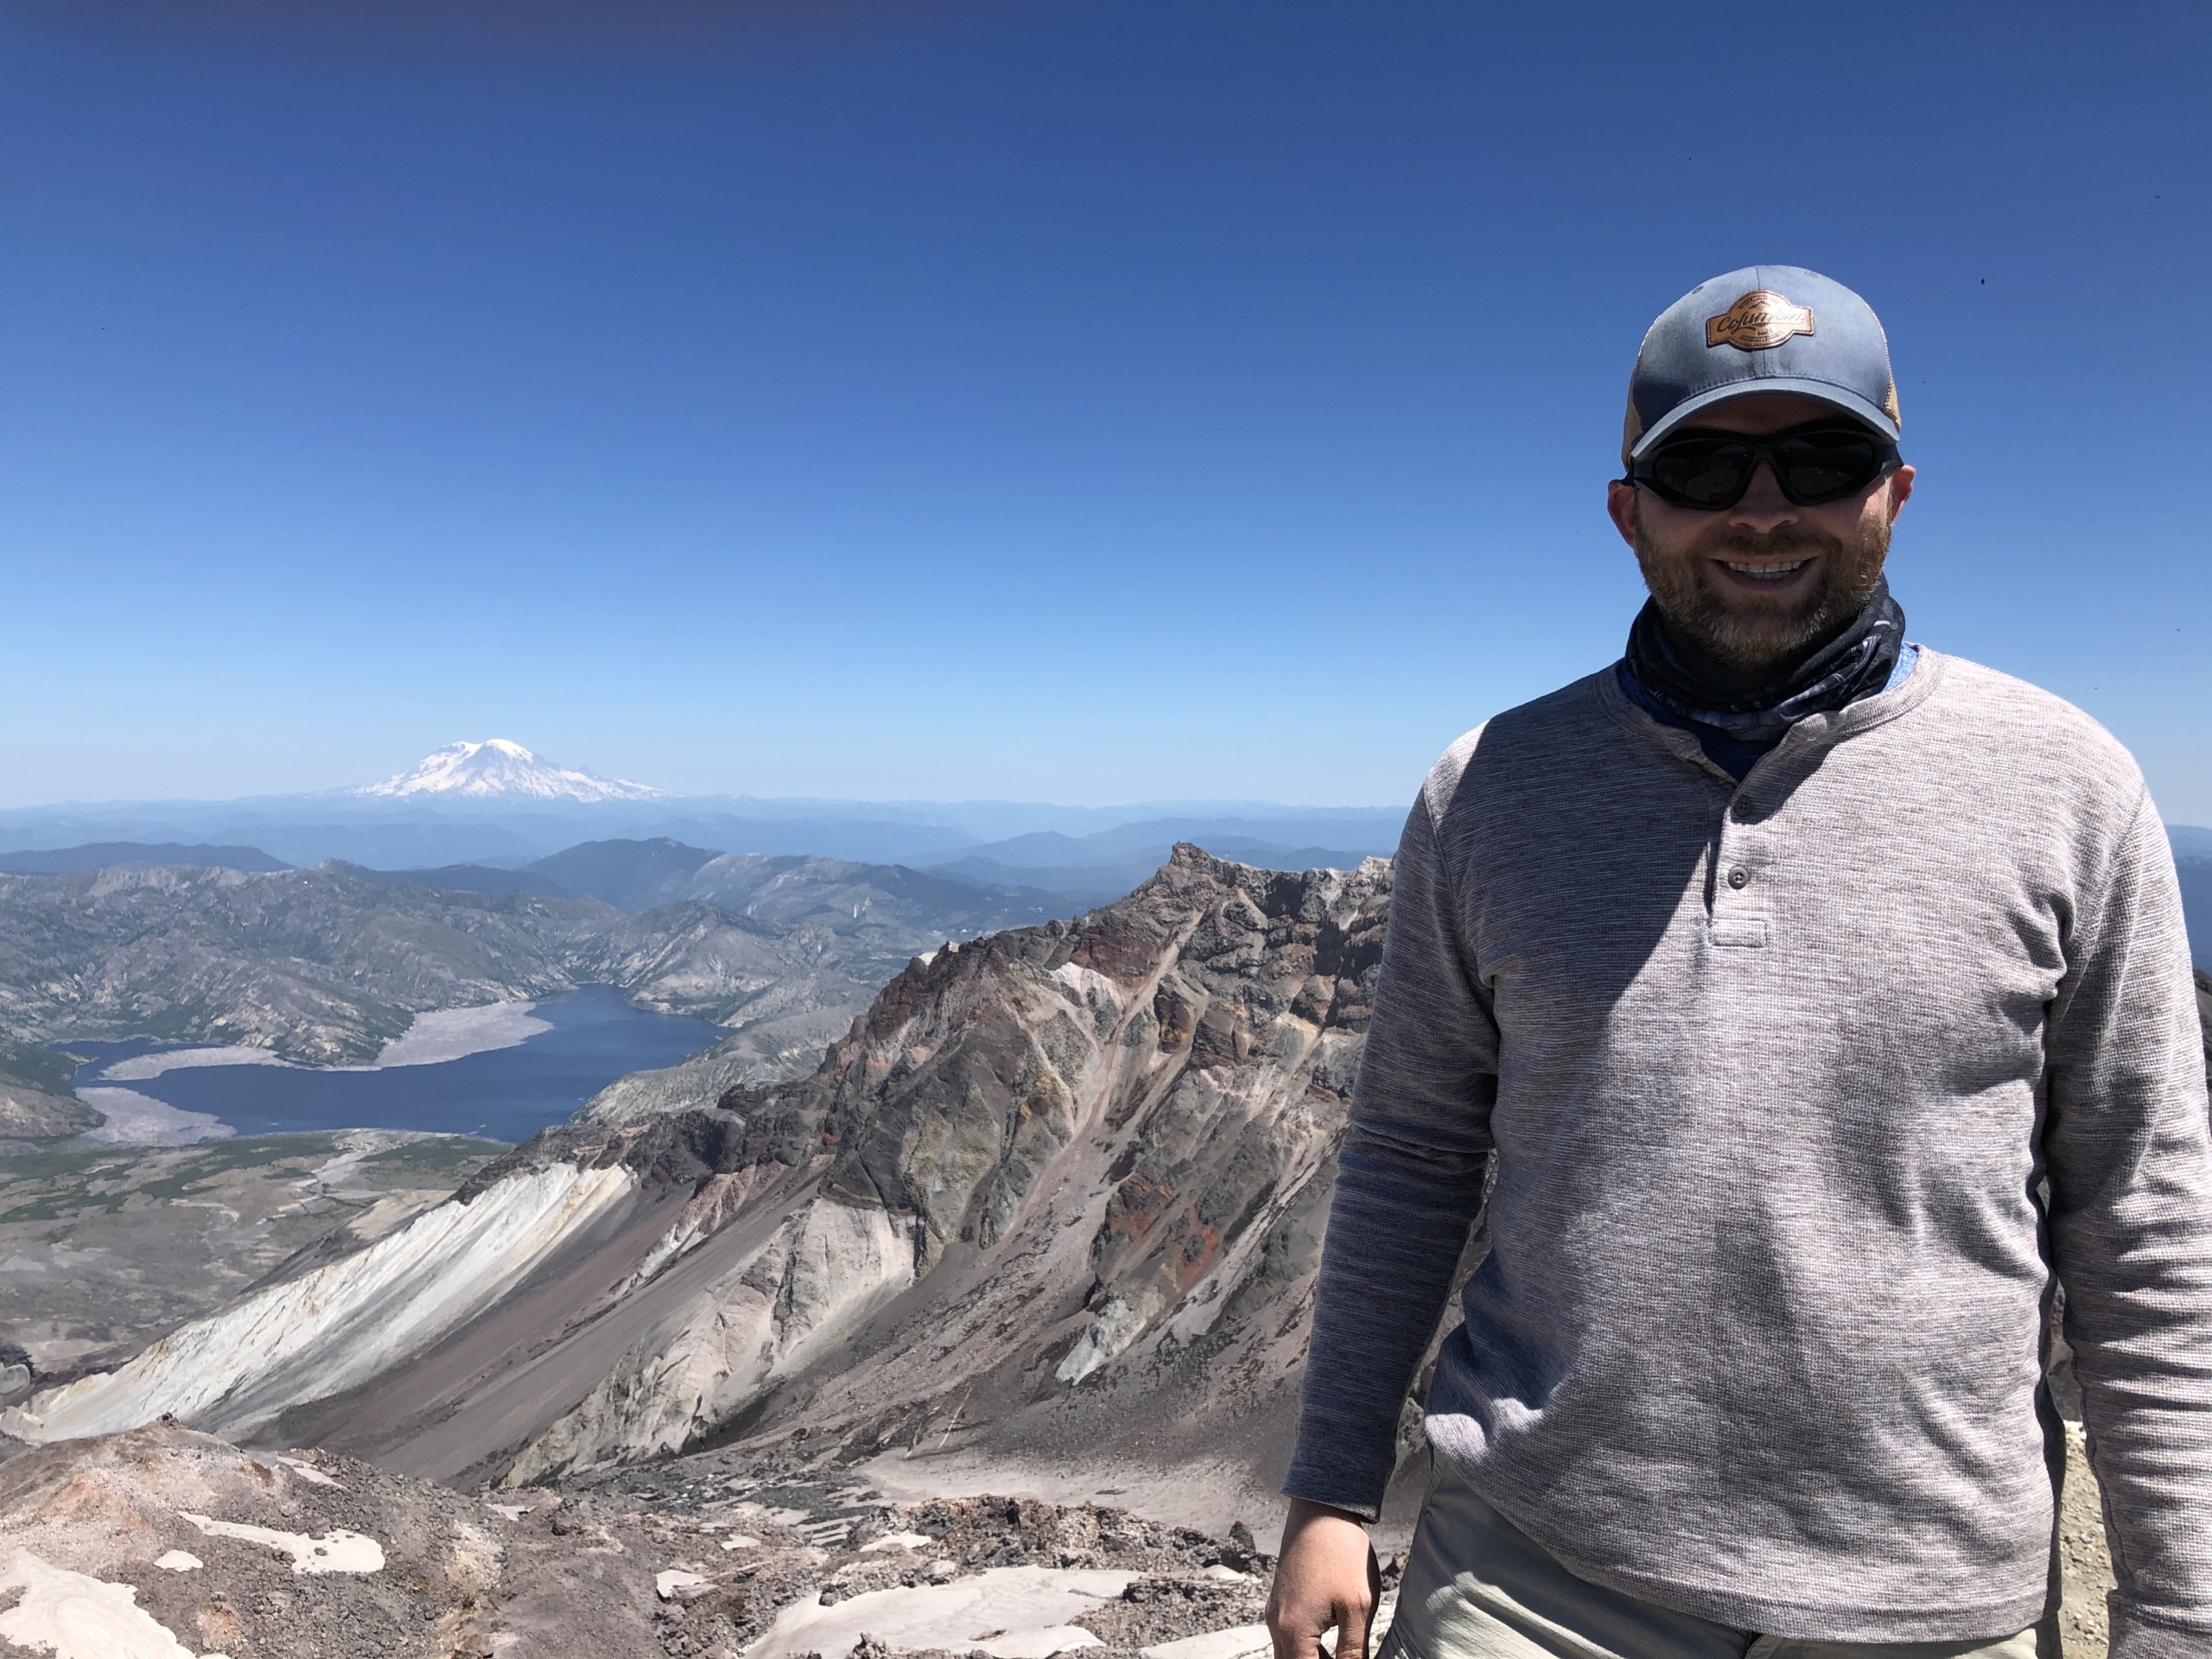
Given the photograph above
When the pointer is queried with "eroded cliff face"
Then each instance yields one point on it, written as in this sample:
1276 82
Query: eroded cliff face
1057 1175
1065 1181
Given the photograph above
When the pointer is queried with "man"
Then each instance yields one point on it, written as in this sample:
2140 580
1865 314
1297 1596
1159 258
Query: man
1793 1005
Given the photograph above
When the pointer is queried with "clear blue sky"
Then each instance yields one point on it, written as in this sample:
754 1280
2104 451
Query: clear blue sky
1061 401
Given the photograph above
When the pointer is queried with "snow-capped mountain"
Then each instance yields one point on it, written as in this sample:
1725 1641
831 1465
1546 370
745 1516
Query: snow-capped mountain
499 770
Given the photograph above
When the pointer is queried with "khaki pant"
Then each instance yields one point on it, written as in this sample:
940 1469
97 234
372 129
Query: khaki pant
1478 1587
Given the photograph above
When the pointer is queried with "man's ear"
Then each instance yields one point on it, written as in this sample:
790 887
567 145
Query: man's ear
1900 490
1620 505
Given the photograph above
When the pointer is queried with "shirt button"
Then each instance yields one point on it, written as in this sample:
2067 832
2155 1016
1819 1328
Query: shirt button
1739 878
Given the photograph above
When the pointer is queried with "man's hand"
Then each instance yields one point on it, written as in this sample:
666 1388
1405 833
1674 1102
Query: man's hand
1326 1579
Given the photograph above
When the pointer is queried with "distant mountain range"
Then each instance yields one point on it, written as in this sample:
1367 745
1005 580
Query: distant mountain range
497 803
1056 873
493 816
425 832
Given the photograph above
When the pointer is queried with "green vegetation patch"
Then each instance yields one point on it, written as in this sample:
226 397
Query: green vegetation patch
53 1185
431 1162
258 1152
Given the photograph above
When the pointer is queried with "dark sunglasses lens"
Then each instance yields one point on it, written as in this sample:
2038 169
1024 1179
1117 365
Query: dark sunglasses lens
1701 472
1826 466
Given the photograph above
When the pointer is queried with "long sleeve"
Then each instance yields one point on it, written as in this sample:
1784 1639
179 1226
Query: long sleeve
2125 1141
1410 1179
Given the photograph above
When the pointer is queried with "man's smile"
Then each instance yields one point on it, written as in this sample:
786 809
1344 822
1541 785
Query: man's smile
1768 575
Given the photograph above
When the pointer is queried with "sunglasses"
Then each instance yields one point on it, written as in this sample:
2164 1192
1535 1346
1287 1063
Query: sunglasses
1822 460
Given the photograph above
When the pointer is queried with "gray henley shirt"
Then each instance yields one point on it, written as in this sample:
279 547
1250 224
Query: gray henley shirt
1772 1074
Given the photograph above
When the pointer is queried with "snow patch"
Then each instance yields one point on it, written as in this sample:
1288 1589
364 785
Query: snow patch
1011 1612
178 1561
1040 1644
673 1586
336 1551
679 1238
900 1540
308 1472
1215 1644
73 1616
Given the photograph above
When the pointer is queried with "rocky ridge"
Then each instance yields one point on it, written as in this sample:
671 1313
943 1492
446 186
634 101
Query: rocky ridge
1071 1157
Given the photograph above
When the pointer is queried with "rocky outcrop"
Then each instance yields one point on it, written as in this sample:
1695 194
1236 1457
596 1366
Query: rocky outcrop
764 1049
824 1269
1102 1147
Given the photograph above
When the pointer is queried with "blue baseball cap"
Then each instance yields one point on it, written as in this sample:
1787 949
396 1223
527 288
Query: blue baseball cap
1762 328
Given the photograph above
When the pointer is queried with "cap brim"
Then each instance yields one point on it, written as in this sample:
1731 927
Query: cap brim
1839 396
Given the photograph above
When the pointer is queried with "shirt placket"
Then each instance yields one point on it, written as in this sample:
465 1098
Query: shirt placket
1743 869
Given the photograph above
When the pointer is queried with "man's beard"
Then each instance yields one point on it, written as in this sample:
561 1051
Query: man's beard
1743 631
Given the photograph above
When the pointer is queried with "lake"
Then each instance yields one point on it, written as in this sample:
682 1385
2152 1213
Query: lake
503 1094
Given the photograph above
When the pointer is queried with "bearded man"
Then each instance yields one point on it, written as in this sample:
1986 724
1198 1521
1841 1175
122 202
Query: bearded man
1796 1009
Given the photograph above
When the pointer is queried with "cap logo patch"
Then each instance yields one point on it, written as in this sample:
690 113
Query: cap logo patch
1762 318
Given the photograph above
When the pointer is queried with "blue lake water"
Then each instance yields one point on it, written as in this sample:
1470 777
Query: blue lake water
503 1094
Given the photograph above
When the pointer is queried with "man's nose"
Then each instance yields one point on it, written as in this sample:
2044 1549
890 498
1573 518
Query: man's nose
1764 507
